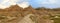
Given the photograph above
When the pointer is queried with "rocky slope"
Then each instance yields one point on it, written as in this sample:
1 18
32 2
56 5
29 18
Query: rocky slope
16 14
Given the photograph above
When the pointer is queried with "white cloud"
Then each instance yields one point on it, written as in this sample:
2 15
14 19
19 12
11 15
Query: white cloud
9 1
6 3
24 4
3 7
49 2
52 1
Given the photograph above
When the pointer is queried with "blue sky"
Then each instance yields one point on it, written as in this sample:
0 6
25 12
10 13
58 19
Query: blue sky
45 3
33 3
